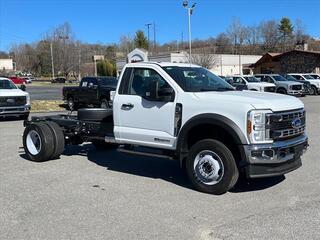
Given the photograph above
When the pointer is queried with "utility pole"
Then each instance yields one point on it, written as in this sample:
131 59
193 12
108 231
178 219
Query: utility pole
79 74
190 11
148 27
52 60
154 38
64 38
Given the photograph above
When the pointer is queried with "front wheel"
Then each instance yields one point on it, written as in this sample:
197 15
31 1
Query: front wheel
282 91
313 90
211 167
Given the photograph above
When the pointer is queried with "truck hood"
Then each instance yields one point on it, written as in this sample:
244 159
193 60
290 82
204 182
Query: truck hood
261 84
258 100
12 93
288 83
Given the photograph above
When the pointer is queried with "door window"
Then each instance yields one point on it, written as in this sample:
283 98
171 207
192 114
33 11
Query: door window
238 80
142 78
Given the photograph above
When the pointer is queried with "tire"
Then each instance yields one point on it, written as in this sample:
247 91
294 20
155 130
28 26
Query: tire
313 90
218 160
58 138
41 150
282 91
101 145
104 104
94 114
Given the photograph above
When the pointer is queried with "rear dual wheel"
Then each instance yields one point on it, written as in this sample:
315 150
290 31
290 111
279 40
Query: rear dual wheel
43 141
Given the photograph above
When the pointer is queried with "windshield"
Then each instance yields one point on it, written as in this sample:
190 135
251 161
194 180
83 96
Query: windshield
197 79
316 76
6 84
290 78
308 77
252 79
108 82
279 78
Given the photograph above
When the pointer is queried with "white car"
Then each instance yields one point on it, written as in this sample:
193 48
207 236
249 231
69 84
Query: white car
315 83
13 101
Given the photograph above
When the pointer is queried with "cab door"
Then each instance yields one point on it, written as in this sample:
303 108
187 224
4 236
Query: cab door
139 120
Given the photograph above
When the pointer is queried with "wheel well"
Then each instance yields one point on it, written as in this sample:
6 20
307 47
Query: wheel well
210 131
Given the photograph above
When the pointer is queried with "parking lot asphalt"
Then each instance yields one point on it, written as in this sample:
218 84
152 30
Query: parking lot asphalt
45 92
90 194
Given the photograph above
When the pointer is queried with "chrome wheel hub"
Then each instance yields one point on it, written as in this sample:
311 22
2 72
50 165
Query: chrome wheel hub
208 167
33 142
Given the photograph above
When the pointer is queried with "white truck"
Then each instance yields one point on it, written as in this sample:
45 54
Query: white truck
187 113
315 83
252 83
13 101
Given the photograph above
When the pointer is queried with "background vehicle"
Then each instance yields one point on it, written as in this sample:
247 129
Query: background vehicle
239 87
252 83
13 101
283 86
187 113
17 80
28 79
92 91
59 80
315 75
306 85
315 83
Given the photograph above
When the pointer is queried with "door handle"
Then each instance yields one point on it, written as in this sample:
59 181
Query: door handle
127 106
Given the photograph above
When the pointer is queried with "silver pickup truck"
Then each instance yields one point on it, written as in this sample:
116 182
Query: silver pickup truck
283 85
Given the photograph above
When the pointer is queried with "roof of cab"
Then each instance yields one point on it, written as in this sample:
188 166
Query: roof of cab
162 64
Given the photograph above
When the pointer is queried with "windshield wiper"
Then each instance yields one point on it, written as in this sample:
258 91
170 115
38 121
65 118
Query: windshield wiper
216 89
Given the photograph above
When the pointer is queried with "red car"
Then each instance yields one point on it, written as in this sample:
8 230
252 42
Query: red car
17 80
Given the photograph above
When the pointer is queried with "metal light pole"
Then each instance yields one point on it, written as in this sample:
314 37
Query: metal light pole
148 27
185 4
52 60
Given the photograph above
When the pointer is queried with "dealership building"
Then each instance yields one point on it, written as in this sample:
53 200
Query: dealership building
295 61
6 65
223 64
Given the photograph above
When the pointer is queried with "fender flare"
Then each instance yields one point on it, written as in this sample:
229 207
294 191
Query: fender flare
214 119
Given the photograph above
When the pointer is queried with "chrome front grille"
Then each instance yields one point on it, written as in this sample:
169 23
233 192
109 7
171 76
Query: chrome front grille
296 87
285 125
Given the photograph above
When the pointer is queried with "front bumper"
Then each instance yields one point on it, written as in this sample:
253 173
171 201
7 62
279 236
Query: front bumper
14 110
278 158
295 92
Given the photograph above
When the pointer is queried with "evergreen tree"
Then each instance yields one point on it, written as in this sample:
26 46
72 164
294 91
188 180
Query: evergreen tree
286 29
140 40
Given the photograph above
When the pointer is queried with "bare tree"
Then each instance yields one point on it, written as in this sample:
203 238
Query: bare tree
203 59
269 34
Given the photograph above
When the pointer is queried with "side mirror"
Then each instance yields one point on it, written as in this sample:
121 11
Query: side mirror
154 93
22 87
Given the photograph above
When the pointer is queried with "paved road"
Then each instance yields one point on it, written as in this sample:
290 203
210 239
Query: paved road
45 92
89 194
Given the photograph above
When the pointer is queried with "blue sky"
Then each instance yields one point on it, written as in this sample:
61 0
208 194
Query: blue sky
104 21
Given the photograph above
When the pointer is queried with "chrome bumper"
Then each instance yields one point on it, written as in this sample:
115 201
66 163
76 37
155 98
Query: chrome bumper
293 92
274 159
14 110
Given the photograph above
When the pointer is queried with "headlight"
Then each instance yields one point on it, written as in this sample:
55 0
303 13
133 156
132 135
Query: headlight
256 126
28 99
290 87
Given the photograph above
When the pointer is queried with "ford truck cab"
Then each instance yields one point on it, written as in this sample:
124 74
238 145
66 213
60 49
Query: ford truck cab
252 83
13 101
187 113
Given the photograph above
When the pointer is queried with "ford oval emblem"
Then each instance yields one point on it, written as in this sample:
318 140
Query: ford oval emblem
10 100
296 123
